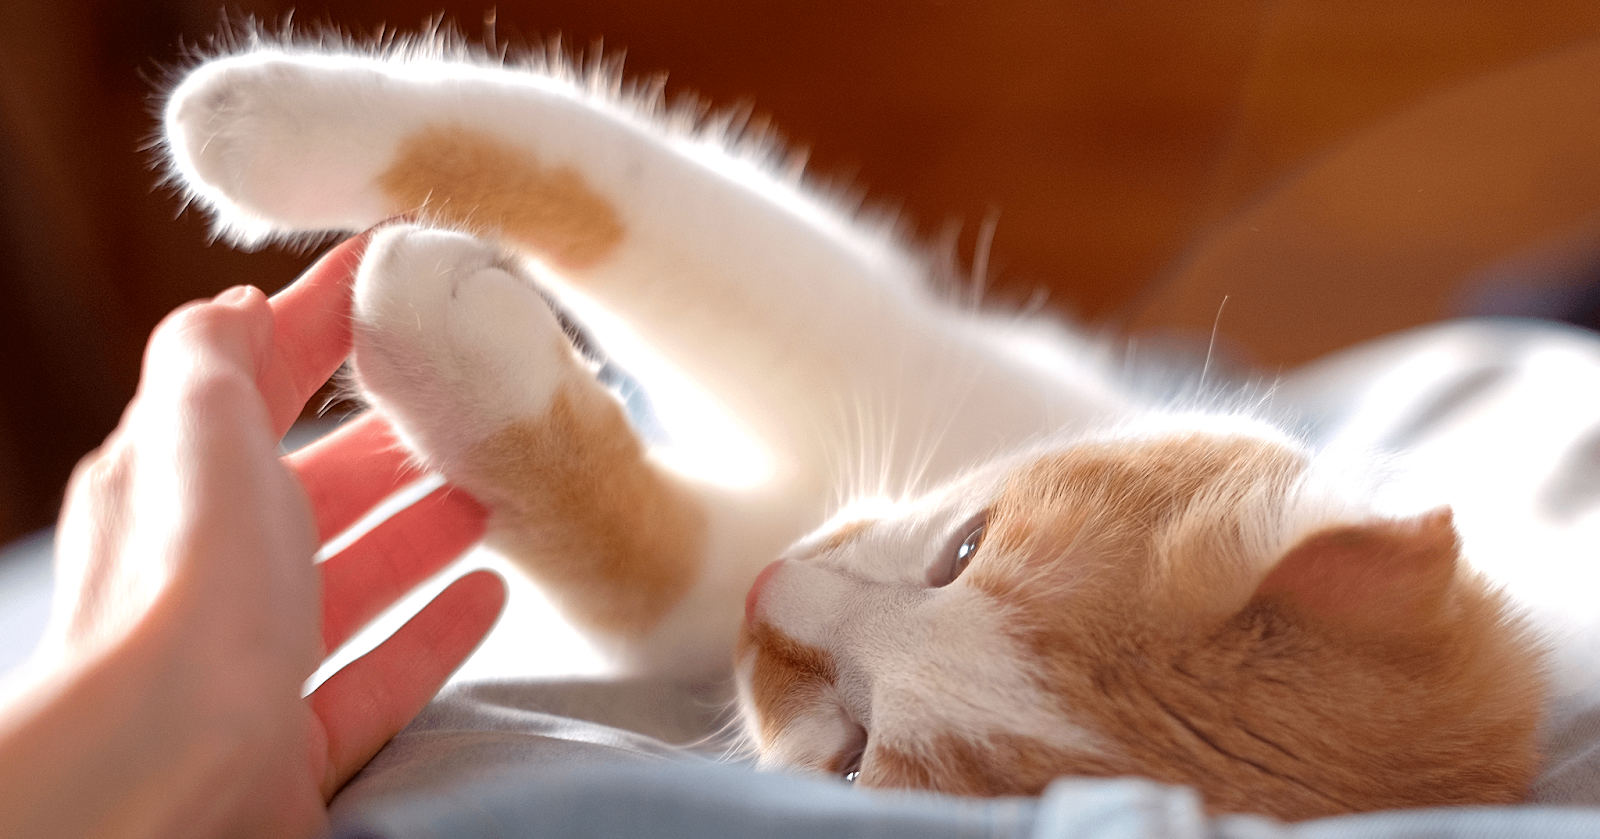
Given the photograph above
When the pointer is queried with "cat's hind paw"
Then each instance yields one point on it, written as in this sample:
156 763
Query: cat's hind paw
452 341
280 144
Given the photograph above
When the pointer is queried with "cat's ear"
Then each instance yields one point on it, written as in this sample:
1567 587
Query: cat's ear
1387 575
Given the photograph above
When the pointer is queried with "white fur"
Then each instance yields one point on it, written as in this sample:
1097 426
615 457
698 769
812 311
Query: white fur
791 317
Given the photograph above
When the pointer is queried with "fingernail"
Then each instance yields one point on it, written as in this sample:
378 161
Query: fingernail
234 296
407 217
351 250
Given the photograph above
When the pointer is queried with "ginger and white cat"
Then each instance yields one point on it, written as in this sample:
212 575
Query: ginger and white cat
974 564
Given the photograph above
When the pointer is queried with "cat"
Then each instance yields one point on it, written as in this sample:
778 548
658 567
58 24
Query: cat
971 560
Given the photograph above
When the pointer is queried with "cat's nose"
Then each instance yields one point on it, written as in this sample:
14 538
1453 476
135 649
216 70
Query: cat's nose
754 595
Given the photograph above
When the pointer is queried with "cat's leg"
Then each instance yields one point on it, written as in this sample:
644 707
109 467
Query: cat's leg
817 332
453 343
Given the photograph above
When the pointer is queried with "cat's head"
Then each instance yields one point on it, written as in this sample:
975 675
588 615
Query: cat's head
1187 606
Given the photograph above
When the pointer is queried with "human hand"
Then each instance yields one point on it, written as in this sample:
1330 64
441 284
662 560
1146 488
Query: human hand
189 610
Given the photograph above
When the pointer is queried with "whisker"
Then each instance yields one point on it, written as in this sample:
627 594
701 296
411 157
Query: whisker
1211 348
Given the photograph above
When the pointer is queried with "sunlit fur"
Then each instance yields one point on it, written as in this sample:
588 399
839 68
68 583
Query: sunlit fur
1191 596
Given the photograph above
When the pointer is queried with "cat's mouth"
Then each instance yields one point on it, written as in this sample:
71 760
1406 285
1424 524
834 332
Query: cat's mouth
792 694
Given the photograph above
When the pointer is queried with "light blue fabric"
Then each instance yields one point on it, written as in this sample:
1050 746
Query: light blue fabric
705 801
1459 823
688 800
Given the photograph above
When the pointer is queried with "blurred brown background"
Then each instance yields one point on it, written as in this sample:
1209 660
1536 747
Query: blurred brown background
1337 169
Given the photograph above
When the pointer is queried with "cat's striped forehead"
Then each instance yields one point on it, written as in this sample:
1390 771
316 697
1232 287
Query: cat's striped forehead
1201 512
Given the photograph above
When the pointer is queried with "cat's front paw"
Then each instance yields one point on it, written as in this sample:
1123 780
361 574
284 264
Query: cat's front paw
452 341
275 143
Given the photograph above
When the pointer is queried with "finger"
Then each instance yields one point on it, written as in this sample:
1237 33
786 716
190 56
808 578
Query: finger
203 357
369 701
230 334
311 332
350 470
387 563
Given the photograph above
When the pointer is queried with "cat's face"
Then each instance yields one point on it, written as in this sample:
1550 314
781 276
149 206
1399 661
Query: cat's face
1183 606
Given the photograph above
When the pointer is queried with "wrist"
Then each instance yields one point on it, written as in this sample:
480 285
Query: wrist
138 738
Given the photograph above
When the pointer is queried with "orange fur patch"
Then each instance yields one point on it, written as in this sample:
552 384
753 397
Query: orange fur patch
787 677
1000 764
1162 643
1119 519
584 511
844 534
469 179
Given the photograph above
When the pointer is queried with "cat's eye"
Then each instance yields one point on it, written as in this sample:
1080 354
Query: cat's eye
969 538
850 766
